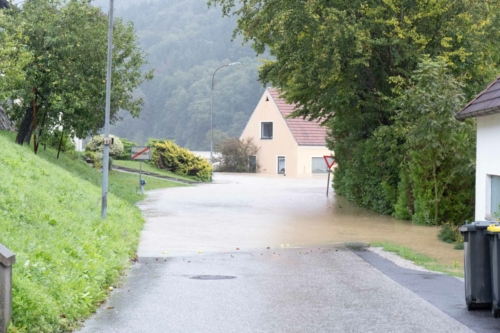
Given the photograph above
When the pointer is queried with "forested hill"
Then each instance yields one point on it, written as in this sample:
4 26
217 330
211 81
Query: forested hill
186 42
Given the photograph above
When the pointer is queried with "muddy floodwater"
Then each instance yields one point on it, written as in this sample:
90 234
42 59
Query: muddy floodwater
259 211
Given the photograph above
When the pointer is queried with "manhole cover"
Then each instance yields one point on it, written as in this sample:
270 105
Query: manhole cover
212 277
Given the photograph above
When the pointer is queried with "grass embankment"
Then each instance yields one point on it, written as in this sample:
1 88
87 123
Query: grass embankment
149 168
420 259
67 256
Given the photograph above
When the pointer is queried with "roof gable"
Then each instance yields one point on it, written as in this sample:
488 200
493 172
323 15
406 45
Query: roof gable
486 102
305 132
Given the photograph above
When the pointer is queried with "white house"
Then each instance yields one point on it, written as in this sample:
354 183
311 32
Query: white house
486 108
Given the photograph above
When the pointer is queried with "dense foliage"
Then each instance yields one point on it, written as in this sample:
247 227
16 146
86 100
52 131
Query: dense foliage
167 155
235 154
67 257
66 75
186 43
13 56
127 148
437 172
347 63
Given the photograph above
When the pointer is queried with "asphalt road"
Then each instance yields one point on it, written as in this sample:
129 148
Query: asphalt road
290 290
174 288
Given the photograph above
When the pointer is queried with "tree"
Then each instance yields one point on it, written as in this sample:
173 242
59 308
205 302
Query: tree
235 154
340 61
438 165
13 56
65 79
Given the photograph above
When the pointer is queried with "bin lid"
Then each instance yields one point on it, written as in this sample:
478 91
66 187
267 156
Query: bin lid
493 228
477 225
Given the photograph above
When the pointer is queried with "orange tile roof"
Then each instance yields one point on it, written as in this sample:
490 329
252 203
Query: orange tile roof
305 132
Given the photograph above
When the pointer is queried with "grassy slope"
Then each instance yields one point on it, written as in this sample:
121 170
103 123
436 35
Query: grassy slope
67 256
149 168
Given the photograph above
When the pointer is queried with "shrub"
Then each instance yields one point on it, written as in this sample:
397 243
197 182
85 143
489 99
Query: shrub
167 155
449 233
95 148
96 144
127 146
235 154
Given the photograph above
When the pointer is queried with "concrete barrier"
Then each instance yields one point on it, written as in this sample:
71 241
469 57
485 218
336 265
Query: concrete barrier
7 259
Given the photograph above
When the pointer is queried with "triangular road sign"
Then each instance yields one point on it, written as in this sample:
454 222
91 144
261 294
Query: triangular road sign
330 161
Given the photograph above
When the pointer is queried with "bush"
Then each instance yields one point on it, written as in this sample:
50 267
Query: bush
167 155
96 144
449 233
235 155
127 146
95 148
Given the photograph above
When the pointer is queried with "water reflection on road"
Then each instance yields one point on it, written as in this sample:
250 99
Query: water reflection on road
259 211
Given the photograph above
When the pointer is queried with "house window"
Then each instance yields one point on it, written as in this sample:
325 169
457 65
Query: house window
495 197
318 165
266 130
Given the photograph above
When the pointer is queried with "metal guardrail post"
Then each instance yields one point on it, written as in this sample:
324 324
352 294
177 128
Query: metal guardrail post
7 259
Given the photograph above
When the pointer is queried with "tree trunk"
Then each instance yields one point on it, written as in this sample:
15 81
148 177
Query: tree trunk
40 132
436 202
26 127
60 143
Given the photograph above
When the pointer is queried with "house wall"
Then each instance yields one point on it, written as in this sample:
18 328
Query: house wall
487 163
282 144
305 154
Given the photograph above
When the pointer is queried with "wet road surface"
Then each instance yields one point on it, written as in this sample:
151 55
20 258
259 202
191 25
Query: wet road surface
255 211
305 282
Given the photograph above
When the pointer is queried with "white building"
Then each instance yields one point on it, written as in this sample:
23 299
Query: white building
486 107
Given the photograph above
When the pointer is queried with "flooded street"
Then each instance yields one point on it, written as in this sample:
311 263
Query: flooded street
252 253
259 211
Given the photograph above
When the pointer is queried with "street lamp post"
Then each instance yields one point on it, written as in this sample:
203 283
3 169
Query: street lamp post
105 155
212 112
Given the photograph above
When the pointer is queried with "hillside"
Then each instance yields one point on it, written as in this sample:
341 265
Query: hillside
67 256
186 42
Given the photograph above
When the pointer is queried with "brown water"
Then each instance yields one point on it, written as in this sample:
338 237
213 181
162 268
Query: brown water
259 211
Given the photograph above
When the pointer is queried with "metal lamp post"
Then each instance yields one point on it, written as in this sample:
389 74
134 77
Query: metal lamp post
212 111
107 141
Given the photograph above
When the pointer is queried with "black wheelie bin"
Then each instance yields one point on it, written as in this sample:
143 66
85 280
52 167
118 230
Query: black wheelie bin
477 269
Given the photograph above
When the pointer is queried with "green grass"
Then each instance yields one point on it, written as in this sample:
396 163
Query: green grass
131 181
149 168
67 255
420 259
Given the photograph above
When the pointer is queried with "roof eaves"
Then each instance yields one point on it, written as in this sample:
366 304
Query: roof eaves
478 113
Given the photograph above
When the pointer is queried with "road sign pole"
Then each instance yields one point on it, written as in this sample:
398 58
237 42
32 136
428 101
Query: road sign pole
140 178
328 183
